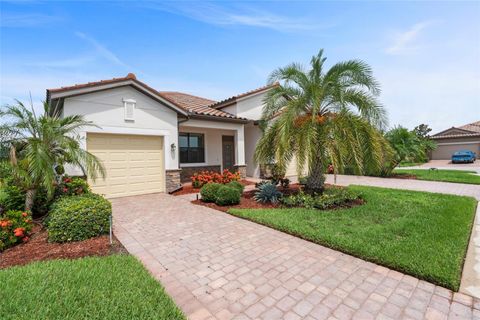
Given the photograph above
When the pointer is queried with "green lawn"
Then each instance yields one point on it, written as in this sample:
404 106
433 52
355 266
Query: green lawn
458 176
423 234
113 287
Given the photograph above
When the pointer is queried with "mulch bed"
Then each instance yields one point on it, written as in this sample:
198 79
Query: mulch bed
248 202
187 188
38 248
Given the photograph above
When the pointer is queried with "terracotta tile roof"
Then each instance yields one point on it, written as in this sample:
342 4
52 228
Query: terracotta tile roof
474 126
232 100
189 103
130 76
194 104
468 130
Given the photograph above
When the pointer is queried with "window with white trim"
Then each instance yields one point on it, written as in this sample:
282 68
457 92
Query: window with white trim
129 107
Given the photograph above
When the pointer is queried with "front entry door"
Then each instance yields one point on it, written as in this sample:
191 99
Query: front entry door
228 153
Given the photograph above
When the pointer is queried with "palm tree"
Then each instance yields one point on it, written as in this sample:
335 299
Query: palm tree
323 117
39 146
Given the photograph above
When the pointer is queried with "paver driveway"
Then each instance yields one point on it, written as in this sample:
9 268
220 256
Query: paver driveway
216 266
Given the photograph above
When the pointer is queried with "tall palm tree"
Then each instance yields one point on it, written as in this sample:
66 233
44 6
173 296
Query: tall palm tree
39 145
323 116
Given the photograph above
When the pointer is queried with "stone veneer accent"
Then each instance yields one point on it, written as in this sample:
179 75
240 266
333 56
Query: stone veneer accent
173 180
243 170
187 172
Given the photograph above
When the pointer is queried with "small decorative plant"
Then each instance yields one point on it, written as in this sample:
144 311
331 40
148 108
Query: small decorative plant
330 198
15 227
72 186
227 195
204 177
209 192
237 185
267 192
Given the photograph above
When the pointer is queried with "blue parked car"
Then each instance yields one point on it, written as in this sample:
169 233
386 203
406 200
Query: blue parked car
464 156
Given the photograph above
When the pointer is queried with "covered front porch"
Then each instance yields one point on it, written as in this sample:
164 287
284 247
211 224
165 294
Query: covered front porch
212 146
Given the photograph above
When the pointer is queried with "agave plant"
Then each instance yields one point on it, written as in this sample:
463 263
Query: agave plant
267 192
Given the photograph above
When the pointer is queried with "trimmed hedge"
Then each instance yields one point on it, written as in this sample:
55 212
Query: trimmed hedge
209 192
227 196
237 185
77 218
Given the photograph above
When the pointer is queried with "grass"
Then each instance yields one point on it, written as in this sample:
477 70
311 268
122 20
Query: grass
419 233
113 287
457 176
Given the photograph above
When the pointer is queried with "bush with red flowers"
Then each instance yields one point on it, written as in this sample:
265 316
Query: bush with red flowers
15 226
70 186
204 177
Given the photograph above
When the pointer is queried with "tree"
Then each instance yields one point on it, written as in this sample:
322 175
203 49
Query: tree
39 146
407 144
422 130
412 146
323 116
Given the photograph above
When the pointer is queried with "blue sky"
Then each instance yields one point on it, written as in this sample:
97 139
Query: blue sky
426 55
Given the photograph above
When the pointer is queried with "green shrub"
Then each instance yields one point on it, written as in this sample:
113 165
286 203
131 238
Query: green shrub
209 191
267 192
330 198
237 185
78 218
13 198
15 227
227 196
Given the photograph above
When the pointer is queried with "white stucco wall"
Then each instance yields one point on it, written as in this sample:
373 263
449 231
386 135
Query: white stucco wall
252 134
251 107
105 109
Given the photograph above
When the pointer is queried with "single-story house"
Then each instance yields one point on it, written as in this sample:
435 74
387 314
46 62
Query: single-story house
151 141
466 137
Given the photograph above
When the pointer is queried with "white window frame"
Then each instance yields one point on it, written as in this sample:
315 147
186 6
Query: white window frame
126 103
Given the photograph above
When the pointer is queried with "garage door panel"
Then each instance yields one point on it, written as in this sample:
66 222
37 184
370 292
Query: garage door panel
445 151
134 164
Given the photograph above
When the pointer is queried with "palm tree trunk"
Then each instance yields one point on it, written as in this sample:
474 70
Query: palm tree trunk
316 178
29 199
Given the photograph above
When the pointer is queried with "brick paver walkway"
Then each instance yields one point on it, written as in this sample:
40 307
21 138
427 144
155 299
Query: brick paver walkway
216 266
410 184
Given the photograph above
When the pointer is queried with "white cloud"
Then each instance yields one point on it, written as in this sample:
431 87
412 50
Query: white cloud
242 16
404 42
27 20
101 49
440 98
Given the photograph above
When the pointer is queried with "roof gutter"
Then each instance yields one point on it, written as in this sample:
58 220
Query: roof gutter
217 118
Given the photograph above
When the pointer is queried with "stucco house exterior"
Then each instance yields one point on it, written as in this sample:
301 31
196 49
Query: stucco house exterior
151 141
466 137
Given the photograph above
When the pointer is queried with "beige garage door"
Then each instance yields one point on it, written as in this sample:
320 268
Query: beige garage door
134 164
444 152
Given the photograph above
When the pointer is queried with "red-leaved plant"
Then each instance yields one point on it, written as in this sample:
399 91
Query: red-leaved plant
204 177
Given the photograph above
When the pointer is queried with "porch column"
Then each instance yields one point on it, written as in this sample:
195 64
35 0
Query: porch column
240 165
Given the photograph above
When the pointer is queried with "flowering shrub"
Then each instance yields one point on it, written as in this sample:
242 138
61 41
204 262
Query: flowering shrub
204 177
15 226
72 186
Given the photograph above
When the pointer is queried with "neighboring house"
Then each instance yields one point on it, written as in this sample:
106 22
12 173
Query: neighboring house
466 137
151 141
